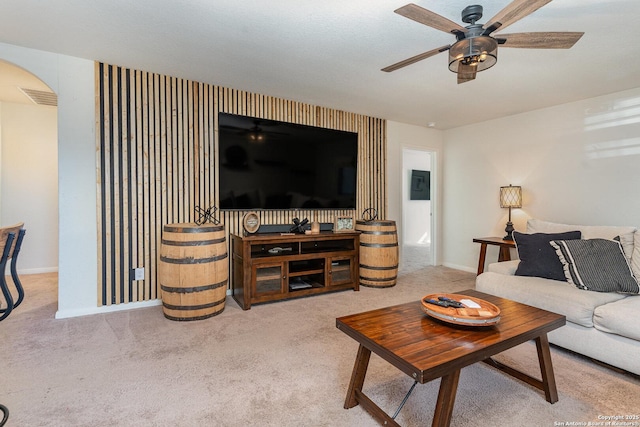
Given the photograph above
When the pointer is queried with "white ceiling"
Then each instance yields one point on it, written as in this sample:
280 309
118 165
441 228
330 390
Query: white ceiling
330 52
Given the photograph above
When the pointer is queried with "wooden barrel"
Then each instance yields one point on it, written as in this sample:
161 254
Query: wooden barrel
193 271
378 253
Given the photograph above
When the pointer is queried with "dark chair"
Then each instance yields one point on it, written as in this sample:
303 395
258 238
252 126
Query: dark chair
5 415
10 243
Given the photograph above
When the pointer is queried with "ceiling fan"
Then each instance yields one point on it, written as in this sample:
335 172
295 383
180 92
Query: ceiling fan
475 48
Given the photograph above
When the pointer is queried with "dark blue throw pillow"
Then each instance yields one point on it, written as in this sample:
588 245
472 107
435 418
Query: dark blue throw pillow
537 257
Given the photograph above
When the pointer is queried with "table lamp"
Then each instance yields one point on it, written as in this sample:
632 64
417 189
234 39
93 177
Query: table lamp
510 197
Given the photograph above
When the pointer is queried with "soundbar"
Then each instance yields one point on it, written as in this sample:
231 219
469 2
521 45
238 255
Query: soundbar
285 228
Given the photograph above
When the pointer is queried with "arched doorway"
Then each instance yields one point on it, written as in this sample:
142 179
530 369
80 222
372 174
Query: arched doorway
29 165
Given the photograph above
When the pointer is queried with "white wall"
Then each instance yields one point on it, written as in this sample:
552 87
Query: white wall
29 177
73 80
399 137
416 213
577 163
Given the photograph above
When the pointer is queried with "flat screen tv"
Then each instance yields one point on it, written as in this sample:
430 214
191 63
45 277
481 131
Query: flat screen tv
267 164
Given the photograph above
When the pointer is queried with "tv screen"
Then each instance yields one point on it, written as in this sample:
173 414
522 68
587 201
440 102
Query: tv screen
267 164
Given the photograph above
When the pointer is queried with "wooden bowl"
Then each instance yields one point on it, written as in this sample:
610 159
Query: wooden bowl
486 315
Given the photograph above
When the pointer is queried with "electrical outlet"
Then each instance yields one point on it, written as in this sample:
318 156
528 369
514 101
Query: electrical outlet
138 273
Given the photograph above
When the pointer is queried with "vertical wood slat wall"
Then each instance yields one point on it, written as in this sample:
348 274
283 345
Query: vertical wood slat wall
157 161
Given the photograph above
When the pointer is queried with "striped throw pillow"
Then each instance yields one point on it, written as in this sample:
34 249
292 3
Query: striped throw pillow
596 265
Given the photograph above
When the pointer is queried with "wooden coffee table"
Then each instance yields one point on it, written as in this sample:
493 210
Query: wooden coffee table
426 349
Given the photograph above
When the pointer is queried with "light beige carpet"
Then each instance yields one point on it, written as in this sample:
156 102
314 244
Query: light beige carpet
280 364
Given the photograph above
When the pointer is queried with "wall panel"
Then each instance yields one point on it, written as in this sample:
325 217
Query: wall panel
157 157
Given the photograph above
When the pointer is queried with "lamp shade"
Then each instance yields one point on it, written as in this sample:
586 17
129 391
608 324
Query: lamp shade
511 197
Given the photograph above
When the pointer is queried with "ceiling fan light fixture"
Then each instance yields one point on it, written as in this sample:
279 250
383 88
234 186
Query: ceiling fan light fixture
256 136
480 52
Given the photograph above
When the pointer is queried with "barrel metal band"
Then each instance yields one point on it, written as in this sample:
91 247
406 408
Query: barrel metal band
393 267
379 245
188 319
190 260
193 288
378 279
379 222
193 307
378 233
192 243
200 229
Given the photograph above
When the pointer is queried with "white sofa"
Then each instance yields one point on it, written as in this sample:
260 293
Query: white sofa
601 325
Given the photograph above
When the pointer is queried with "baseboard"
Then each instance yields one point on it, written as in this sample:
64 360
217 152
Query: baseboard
31 270
460 267
64 314
38 270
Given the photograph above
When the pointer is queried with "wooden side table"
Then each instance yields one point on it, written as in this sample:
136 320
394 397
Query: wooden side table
503 255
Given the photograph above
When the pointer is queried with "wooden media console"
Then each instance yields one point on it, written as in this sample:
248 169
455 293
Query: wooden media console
273 267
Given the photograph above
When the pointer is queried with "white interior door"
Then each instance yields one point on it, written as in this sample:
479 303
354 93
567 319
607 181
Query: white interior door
417 215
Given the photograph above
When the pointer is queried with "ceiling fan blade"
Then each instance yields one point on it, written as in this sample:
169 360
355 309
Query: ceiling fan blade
466 73
542 40
415 59
426 17
515 11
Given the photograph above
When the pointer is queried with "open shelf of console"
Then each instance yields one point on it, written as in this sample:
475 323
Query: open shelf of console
273 267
